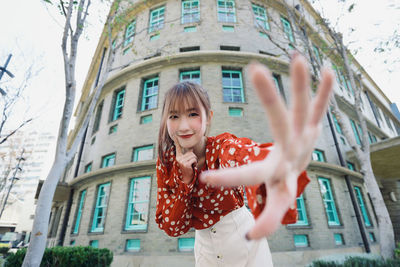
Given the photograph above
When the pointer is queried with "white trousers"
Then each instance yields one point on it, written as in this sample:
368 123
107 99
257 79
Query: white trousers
224 243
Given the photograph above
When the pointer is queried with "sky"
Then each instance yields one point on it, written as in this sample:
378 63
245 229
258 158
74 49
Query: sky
31 30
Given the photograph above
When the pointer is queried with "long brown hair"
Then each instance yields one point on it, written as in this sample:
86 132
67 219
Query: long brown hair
179 96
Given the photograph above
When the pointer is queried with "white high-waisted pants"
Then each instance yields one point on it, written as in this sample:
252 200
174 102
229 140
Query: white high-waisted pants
224 243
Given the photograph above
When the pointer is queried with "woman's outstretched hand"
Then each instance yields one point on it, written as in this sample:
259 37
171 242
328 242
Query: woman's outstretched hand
294 130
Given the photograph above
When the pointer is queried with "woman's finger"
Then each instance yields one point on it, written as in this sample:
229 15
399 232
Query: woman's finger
321 100
177 146
301 94
272 102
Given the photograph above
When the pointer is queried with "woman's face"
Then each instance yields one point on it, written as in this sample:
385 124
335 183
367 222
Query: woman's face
188 126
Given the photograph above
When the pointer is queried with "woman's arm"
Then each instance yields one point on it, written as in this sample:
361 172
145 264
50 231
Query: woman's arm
295 132
174 209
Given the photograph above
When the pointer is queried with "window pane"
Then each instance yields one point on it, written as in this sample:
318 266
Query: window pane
138 206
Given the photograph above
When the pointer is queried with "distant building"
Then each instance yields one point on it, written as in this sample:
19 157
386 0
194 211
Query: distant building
20 207
109 190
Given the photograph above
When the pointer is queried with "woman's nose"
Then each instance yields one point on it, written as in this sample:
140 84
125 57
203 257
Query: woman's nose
184 124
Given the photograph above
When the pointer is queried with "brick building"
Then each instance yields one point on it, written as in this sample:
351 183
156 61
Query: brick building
107 196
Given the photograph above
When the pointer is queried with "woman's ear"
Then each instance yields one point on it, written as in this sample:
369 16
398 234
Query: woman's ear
210 116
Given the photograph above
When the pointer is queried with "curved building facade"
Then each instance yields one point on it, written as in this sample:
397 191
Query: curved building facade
107 197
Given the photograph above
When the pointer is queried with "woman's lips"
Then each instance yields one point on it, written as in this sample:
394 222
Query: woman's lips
186 136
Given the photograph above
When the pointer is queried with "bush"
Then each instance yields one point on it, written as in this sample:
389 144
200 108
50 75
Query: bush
66 257
397 251
4 251
358 262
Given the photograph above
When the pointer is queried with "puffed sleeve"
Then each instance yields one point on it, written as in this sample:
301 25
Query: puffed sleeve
173 212
239 151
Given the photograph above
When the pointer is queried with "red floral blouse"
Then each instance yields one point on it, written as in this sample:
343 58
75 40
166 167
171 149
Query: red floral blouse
181 206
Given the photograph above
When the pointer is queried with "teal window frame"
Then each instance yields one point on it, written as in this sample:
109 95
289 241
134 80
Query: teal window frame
329 201
129 33
108 161
79 212
300 241
72 243
100 209
132 245
338 239
317 54
131 211
226 11
155 37
88 167
337 125
351 166
361 205
137 150
232 86
146 119
113 129
287 29
190 29
228 28
372 237
118 104
355 131
150 94
190 11
94 243
186 244
260 17
97 119
318 155
278 85
302 219
190 75
156 19
235 112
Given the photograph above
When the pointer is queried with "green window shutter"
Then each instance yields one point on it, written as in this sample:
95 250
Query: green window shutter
318 155
146 119
156 19
100 209
118 104
129 33
260 17
143 153
133 245
226 10
287 29
228 28
338 128
232 86
108 161
301 210
190 11
150 94
79 212
137 213
193 76
356 134
186 244
361 204
338 239
88 168
235 112
329 201
94 243
300 240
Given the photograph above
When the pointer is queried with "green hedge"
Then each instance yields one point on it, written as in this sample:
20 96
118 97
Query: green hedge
66 257
397 251
358 262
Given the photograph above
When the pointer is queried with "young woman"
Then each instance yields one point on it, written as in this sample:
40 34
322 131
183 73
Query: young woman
197 186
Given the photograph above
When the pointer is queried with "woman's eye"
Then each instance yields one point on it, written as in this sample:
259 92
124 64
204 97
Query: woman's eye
193 114
173 116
